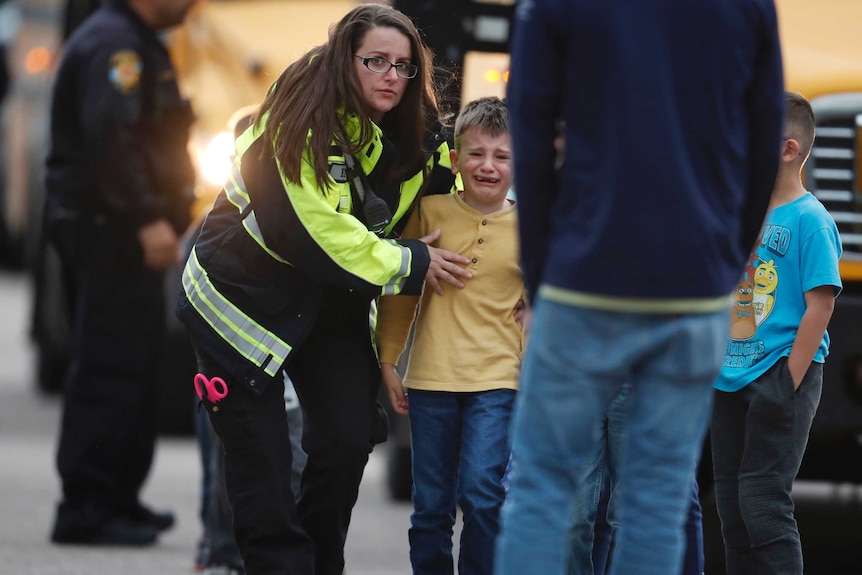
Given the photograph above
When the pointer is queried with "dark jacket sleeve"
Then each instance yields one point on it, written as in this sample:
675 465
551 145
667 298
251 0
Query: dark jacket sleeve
537 67
112 117
765 107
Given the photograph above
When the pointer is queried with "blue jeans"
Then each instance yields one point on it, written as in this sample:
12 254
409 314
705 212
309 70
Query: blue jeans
693 562
759 435
460 447
595 522
576 362
592 534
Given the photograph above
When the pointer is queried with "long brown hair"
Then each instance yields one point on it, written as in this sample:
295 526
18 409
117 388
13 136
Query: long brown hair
312 90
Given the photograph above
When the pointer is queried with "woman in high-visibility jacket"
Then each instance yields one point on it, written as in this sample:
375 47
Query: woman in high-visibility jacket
285 269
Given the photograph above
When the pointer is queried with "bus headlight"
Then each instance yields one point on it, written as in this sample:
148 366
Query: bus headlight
215 158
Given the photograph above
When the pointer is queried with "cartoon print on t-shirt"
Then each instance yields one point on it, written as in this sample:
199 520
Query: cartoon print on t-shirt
765 282
755 297
755 292
742 324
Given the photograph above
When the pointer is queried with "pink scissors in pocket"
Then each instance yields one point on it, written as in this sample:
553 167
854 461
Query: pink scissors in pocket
215 388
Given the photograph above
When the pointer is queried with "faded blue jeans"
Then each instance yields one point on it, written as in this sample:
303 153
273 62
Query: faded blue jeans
460 445
759 435
575 364
592 534
595 522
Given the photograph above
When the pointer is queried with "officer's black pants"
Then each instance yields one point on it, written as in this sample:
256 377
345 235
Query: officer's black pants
107 434
336 375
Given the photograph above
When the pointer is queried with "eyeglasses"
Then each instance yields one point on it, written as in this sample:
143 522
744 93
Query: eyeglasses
381 66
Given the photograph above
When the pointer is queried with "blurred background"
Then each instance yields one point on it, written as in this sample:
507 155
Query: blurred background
227 54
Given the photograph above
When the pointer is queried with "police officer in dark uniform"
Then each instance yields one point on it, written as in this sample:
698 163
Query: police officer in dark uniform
119 193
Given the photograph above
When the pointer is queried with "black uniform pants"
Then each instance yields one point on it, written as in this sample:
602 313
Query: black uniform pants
336 376
107 434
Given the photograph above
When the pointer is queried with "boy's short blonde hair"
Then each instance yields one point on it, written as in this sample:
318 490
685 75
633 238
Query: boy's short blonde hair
488 114
799 122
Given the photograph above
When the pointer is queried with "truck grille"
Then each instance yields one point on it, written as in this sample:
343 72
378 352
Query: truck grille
831 172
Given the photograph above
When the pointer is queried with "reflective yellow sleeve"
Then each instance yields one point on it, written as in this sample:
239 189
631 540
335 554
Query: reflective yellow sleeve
344 239
396 313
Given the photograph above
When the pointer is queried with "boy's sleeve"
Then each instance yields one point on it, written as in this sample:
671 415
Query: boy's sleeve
819 260
396 313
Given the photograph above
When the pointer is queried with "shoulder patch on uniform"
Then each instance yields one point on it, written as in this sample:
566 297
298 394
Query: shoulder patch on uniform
125 72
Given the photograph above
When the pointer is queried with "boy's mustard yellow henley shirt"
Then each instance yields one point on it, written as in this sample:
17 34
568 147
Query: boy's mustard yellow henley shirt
466 339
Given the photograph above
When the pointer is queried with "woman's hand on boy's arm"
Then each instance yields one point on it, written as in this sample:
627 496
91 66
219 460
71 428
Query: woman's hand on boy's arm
819 304
394 388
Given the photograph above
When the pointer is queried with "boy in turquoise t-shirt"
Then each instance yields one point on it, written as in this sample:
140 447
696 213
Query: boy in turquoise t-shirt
772 376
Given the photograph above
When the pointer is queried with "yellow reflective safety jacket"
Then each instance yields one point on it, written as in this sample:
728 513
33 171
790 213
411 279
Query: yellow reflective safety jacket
250 288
